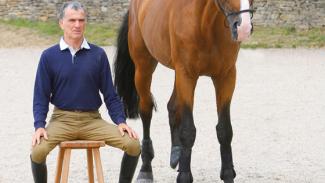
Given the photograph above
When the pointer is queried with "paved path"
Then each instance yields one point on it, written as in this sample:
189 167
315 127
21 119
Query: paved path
278 117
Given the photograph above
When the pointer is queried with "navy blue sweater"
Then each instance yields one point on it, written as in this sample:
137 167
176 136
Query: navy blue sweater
73 83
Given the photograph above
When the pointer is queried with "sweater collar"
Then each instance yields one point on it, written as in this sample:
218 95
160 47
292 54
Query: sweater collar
64 45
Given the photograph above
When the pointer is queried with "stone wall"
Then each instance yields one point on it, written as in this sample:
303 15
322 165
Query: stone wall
294 13
98 10
297 13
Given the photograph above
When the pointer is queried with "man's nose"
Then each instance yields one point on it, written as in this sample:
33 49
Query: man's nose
77 23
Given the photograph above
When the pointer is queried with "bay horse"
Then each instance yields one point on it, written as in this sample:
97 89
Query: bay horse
194 38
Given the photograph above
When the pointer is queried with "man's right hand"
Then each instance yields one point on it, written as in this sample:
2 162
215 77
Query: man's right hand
40 132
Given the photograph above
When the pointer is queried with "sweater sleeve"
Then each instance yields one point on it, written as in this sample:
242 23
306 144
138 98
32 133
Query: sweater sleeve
42 92
111 98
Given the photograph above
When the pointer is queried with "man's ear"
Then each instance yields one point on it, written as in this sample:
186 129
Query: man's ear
61 24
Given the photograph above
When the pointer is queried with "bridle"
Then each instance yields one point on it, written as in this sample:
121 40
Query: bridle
236 13
230 14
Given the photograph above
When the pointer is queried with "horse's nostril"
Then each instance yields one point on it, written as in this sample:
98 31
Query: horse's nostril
234 31
236 24
239 21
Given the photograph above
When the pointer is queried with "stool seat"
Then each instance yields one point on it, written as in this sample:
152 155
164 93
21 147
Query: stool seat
82 144
92 148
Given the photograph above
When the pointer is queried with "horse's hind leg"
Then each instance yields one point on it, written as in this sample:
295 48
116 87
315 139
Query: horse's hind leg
145 67
224 91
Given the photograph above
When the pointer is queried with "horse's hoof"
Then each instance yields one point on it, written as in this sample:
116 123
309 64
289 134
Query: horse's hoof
229 181
184 177
145 177
228 175
175 154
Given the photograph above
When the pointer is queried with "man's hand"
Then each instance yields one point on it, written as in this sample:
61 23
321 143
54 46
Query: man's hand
125 128
40 132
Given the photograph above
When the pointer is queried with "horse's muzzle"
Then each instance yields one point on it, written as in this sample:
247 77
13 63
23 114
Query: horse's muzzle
240 26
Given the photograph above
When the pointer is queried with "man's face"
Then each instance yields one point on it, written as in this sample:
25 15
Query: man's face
73 24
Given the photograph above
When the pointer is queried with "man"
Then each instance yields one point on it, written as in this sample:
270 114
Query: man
70 76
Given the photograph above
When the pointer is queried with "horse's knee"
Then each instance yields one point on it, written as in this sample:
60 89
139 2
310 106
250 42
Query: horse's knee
224 133
224 128
187 130
187 136
147 149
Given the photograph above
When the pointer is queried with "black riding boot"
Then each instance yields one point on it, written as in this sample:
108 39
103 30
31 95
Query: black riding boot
128 166
39 172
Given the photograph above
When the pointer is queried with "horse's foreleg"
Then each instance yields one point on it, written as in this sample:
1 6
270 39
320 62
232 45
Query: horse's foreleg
184 120
224 91
187 135
174 131
147 153
143 77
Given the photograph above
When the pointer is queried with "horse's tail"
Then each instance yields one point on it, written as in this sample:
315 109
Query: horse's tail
124 72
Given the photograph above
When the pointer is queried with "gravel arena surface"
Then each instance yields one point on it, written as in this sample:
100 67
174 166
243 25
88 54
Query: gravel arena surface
278 118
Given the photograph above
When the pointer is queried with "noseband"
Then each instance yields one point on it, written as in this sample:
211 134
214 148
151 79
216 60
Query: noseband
240 12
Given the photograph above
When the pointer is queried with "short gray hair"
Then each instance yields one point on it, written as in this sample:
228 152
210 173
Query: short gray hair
70 4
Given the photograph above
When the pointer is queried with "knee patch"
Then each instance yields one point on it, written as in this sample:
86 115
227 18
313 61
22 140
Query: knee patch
39 154
133 147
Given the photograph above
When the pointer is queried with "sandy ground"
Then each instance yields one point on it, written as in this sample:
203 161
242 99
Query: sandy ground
277 115
11 37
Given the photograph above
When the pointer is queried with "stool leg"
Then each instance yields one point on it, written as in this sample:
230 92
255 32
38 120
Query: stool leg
90 165
99 169
66 162
59 165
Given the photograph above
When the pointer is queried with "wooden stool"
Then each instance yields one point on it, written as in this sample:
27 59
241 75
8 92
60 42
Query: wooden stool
64 159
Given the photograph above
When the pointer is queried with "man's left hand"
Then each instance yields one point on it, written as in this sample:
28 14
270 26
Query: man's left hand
123 127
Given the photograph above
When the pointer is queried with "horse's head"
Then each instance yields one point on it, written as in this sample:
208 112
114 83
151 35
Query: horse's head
238 14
